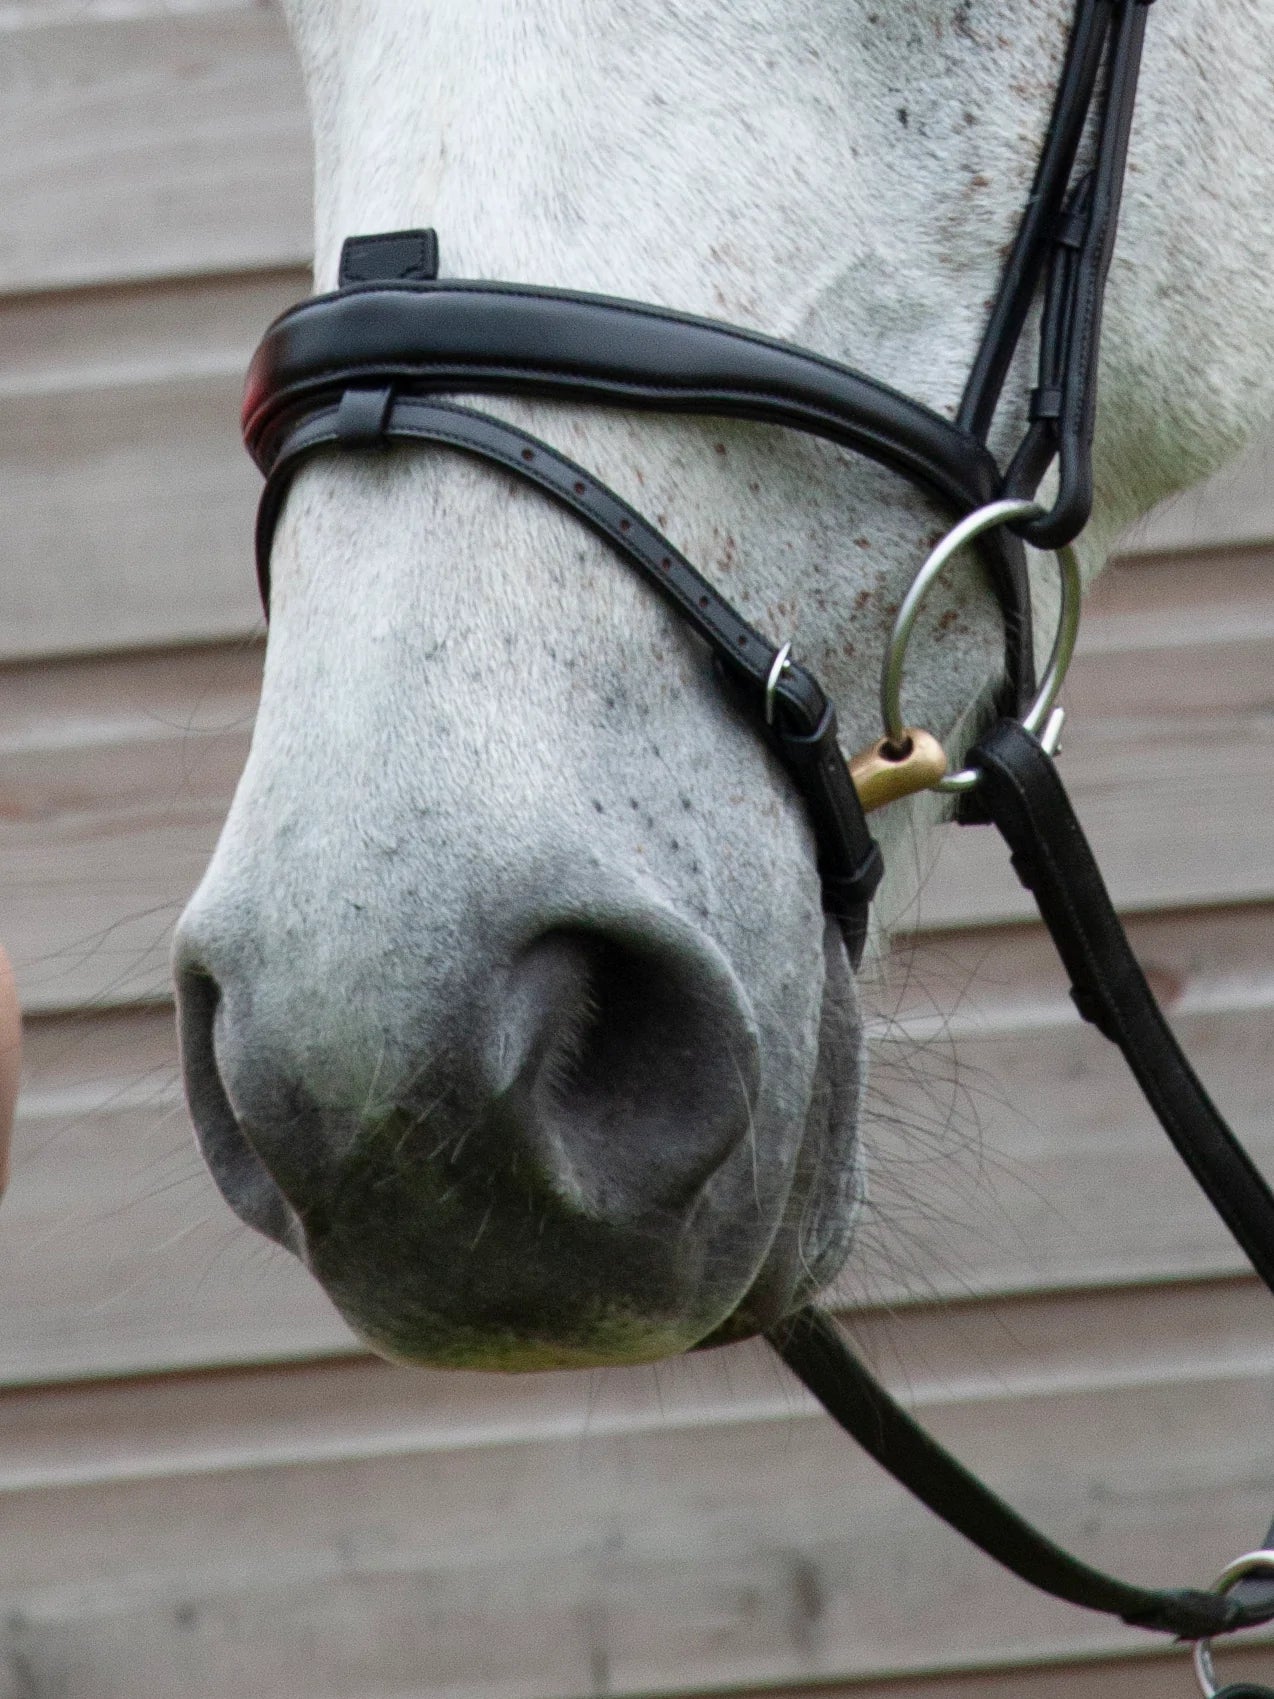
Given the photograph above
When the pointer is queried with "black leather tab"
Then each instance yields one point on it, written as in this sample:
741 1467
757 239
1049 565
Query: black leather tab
394 257
361 417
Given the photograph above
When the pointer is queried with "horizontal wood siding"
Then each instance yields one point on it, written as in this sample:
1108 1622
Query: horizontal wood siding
398 1532
206 1489
124 488
162 144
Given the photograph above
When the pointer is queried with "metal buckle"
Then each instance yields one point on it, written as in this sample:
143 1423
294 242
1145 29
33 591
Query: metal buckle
782 661
1245 1565
1042 719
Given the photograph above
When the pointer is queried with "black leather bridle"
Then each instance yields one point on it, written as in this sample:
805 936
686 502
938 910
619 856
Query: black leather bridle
368 364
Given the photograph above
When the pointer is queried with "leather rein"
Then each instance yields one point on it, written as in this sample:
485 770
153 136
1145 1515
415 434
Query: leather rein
373 363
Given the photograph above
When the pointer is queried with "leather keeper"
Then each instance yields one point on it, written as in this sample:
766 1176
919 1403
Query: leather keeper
362 416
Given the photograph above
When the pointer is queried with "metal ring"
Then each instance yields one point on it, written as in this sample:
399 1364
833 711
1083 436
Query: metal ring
781 662
1245 1565
967 531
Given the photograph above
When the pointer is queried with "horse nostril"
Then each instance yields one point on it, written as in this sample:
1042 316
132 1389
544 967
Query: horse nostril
626 1069
241 1176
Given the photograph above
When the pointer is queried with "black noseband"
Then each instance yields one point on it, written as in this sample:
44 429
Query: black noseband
451 338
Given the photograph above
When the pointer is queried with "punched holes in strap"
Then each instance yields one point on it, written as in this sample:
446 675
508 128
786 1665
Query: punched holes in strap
463 338
804 736
373 416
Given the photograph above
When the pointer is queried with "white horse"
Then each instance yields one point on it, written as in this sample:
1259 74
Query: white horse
508 1001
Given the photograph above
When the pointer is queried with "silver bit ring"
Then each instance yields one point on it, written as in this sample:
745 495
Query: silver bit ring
1249 1564
975 525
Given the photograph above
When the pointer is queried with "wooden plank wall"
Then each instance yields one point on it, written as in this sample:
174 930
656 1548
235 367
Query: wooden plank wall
205 1490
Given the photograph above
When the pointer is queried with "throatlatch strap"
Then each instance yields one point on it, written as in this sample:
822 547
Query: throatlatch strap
811 1346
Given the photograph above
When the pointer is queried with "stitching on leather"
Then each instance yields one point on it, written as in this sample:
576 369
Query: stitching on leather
625 542
610 303
713 327
948 483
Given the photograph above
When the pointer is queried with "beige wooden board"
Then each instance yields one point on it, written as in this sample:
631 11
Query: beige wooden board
174 141
1010 1147
699 1525
114 779
169 330
115 774
354 1406
117 1252
1008 980
23 14
1019 1159
126 498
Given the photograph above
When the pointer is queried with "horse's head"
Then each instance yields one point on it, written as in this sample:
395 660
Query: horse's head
508 1000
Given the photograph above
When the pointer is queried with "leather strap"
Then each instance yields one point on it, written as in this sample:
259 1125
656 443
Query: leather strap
1064 405
803 732
470 338
1028 258
1023 795
1067 231
813 1348
462 338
